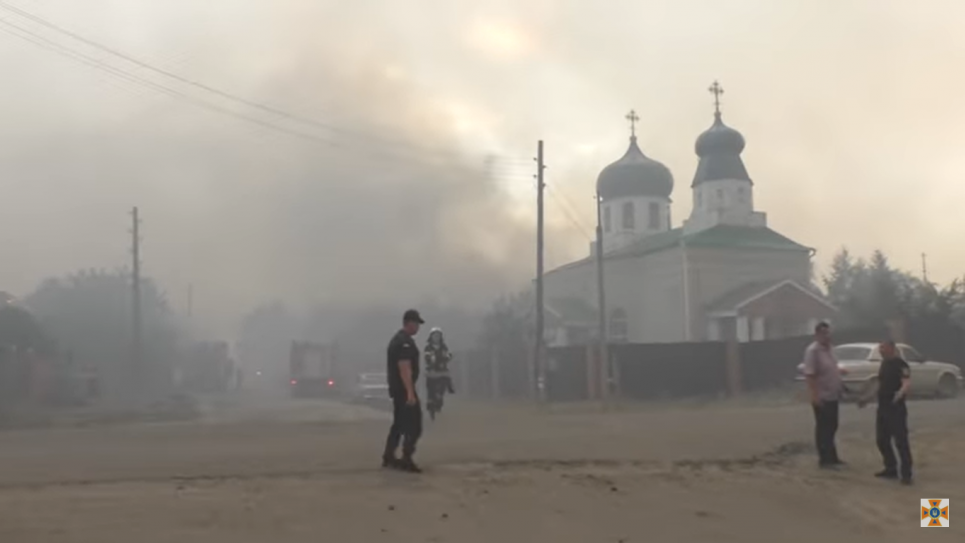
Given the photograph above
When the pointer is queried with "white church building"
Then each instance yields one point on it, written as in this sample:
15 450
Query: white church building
723 274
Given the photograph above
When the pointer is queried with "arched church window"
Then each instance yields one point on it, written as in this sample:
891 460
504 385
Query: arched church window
741 195
606 219
628 219
720 197
700 199
653 216
618 326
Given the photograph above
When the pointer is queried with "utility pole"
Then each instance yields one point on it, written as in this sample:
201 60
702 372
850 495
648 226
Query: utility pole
924 267
604 356
136 296
538 358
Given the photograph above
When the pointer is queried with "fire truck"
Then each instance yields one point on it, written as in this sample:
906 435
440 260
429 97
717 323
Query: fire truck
313 369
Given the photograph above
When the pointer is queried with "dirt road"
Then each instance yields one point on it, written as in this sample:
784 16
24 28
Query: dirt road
280 472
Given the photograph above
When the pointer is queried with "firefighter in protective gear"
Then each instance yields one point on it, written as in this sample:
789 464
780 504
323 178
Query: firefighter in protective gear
438 381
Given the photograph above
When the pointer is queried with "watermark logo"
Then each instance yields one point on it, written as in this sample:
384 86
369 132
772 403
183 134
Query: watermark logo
934 513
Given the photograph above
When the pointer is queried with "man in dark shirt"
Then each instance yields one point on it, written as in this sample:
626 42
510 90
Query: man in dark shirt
891 423
402 370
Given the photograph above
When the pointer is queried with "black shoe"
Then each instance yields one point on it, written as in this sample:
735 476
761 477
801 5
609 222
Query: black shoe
839 462
390 462
887 474
828 465
906 480
409 466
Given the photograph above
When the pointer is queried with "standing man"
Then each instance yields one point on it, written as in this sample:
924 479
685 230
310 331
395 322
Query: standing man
891 422
403 372
824 385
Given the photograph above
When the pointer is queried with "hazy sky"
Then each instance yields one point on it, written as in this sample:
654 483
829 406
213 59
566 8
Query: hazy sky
850 110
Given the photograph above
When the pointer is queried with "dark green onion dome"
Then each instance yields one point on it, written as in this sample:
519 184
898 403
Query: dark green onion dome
635 175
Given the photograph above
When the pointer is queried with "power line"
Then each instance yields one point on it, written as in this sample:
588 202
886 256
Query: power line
225 94
50 45
567 212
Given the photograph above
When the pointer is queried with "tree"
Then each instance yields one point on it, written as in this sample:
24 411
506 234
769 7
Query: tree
89 313
888 288
844 274
508 324
21 330
870 293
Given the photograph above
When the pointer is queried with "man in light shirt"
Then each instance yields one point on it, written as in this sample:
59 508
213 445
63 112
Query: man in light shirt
825 386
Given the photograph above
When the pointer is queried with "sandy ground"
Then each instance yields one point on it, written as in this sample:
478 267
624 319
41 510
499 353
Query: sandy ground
273 470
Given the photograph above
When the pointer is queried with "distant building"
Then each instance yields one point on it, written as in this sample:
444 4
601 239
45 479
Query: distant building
722 274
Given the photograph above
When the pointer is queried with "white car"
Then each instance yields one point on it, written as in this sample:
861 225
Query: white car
371 386
861 361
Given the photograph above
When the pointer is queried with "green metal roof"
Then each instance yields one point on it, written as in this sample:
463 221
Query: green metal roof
720 236
573 310
723 236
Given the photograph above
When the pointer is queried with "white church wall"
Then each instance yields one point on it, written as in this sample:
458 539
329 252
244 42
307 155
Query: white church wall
758 329
716 272
658 315
648 289
578 281
736 194
622 290
651 288
649 215
725 201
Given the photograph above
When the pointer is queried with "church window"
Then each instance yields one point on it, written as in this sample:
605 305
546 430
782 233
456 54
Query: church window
700 198
606 219
741 195
628 219
653 216
720 196
618 329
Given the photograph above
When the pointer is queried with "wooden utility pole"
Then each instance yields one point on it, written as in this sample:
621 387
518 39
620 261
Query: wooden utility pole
602 353
538 354
136 338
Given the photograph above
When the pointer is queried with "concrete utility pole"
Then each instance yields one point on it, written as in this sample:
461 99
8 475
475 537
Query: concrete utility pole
924 267
136 339
538 358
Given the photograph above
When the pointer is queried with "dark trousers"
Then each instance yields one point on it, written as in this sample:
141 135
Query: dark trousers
437 387
891 424
406 427
825 428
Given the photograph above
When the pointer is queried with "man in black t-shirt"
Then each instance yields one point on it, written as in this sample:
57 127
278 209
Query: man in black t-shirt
402 370
891 423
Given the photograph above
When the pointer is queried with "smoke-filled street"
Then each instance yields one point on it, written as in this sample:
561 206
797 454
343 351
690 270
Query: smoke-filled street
266 469
223 219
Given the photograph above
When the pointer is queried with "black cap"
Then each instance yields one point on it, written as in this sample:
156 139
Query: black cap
412 316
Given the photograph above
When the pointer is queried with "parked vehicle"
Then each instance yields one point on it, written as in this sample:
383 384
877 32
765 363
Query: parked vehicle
207 368
861 361
371 386
313 370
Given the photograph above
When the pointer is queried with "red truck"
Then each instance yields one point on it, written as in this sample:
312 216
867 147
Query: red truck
313 370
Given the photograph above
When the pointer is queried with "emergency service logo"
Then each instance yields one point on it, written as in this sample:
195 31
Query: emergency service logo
934 513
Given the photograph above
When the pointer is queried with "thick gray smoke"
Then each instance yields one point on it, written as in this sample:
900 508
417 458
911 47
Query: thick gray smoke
385 208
